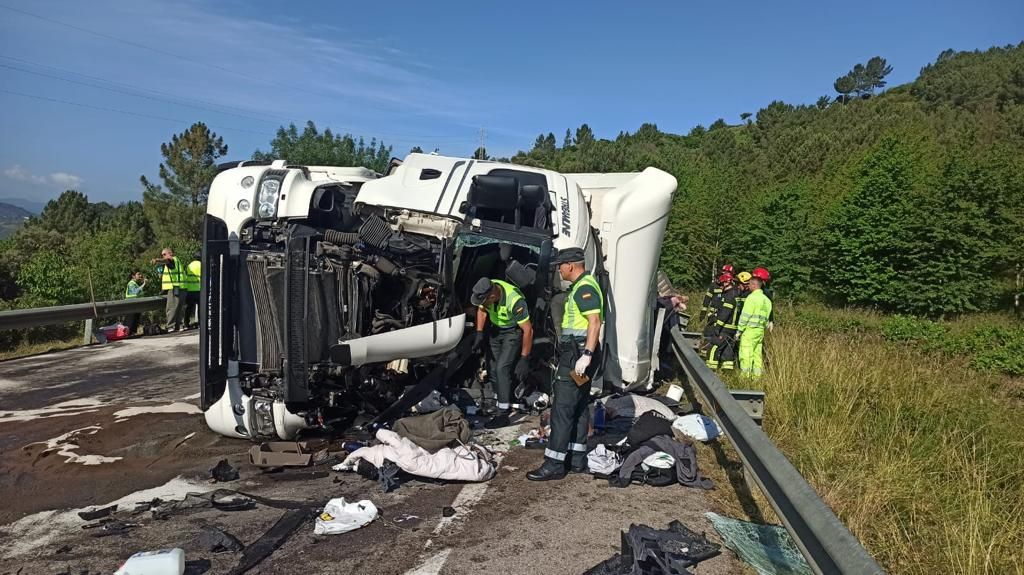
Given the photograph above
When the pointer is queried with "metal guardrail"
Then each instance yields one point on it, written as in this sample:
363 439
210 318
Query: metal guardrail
35 317
824 540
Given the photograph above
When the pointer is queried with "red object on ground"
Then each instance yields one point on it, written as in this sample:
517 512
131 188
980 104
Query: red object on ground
115 332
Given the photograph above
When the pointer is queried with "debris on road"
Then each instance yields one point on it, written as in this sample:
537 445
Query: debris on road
448 512
272 539
287 453
464 463
217 541
340 516
298 475
603 461
649 551
697 426
224 472
161 562
442 428
766 548
95 514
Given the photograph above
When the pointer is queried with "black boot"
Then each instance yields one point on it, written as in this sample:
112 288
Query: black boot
578 464
549 471
500 419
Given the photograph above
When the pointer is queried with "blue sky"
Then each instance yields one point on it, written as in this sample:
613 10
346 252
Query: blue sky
89 90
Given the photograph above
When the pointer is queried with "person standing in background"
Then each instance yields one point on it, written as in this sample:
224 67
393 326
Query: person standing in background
172 280
136 283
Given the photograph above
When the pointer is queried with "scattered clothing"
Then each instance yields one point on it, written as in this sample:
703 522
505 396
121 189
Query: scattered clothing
463 463
697 426
340 516
646 550
603 461
658 460
648 425
633 406
685 456
435 430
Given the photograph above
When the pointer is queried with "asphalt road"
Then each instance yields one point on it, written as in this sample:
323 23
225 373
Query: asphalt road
119 423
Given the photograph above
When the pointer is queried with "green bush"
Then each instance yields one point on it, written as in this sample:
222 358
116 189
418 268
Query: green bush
902 328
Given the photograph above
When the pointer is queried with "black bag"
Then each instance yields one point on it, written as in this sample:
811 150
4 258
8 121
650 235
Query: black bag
152 329
648 425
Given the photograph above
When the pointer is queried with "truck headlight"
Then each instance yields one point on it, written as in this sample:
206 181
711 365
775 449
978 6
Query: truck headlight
269 191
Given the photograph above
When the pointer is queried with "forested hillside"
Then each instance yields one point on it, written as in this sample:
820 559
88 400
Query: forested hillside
911 200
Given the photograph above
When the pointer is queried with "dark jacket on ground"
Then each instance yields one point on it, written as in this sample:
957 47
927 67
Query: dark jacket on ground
685 455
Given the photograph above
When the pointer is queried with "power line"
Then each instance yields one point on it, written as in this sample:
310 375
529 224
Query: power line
126 112
164 118
137 95
196 103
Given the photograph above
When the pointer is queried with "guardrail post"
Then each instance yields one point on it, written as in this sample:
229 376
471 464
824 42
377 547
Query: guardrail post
87 336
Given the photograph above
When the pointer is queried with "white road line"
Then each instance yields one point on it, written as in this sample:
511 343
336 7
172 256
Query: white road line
470 495
431 566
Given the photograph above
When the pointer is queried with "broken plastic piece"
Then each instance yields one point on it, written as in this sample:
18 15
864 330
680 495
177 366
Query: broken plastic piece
649 551
766 548
223 471
217 541
272 539
97 513
448 512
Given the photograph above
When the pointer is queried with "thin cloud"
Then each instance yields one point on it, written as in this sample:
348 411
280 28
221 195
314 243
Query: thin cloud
55 179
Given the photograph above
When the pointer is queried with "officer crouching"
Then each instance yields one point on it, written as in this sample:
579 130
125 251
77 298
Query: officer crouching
577 345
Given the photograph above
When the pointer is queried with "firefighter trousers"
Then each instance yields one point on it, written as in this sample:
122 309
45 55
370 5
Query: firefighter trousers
751 352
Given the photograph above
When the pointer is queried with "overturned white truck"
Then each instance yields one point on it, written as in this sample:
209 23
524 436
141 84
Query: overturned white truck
332 294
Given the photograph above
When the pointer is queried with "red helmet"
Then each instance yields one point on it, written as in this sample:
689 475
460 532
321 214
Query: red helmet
761 274
727 269
725 278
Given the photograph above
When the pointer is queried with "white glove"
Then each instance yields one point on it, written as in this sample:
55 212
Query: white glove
582 363
771 326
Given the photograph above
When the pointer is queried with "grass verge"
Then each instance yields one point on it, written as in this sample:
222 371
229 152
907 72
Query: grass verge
918 454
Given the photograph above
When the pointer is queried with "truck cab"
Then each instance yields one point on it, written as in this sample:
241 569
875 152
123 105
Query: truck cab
334 294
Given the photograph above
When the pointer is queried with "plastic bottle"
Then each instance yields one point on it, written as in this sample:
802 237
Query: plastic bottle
598 417
160 562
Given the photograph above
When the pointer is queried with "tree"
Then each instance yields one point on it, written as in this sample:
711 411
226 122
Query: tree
315 148
416 150
845 85
175 209
745 116
874 75
481 154
823 102
718 125
567 141
584 136
868 239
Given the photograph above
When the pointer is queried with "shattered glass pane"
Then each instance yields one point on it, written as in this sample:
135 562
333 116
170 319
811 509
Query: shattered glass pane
767 548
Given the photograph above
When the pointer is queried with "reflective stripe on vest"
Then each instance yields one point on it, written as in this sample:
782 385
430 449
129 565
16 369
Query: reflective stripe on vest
574 323
500 312
192 274
171 279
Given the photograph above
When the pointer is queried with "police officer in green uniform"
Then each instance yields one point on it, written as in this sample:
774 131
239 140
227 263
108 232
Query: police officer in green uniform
577 345
502 305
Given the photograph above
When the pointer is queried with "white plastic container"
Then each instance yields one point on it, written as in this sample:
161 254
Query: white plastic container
160 562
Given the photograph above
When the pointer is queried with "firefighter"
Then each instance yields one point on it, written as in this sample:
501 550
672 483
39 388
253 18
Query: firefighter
577 349
712 330
766 278
501 305
707 309
743 289
172 280
722 354
750 330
